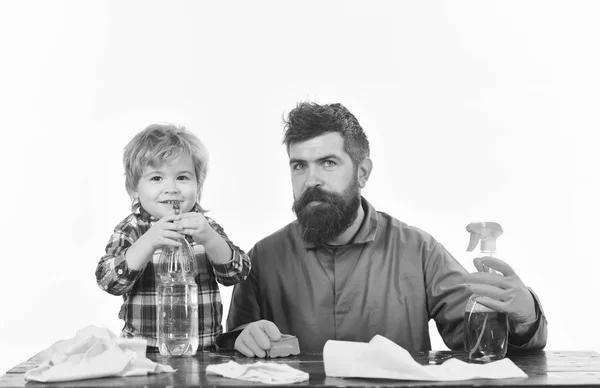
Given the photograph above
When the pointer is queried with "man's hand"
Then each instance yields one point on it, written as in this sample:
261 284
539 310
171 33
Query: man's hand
256 338
506 294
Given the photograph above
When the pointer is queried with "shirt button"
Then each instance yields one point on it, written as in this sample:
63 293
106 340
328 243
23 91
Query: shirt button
120 271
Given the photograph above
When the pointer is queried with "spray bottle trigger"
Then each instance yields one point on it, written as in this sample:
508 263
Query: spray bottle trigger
473 241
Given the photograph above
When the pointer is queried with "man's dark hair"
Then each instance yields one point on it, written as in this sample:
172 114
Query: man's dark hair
309 120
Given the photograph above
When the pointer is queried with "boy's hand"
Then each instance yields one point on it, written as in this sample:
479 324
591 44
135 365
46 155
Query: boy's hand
195 224
165 231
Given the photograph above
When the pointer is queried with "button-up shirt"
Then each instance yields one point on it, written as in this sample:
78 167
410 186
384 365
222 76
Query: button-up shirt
391 279
139 287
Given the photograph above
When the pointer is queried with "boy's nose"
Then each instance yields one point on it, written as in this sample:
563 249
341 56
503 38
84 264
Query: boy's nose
171 188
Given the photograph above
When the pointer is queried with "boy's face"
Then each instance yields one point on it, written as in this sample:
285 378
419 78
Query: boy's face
171 181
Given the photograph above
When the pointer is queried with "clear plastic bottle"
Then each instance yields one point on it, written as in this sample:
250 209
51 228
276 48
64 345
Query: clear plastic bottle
177 300
486 330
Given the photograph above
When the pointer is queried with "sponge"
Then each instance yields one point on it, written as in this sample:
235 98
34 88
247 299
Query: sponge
286 346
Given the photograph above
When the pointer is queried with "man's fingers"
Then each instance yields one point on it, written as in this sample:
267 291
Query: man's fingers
493 304
241 347
250 342
489 291
493 262
263 332
271 330
256 338
491 279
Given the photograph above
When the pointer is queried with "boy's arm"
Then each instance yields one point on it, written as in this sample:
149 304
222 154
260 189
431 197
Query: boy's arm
237 268
139 253
113 274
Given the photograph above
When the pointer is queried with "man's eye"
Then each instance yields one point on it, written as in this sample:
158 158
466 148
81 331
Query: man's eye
298 166
329 163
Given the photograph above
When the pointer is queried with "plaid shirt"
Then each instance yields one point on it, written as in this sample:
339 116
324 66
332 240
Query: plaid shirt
138 287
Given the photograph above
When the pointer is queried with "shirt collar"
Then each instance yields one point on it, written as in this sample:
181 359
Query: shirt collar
366 232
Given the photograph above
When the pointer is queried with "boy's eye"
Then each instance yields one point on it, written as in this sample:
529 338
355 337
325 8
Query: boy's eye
183 178
155 178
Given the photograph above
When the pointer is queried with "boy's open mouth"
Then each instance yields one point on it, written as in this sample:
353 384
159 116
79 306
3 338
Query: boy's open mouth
170 202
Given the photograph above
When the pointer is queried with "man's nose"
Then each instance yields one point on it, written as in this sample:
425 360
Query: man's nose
313 178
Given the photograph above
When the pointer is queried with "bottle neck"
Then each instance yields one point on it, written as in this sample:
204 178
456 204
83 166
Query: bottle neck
485 252
176 263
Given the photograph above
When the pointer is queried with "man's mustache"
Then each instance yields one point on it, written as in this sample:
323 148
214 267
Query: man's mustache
315 194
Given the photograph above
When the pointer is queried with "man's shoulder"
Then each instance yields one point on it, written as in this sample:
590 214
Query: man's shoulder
283 236
392 226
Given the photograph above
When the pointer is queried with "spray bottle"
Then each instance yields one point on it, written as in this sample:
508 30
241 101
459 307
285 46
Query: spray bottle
486 330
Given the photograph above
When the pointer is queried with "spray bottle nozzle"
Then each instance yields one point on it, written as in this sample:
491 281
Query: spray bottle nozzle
176 207
487 232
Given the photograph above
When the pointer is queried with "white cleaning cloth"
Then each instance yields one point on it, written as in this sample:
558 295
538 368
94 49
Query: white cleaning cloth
264 372
382 358
94 352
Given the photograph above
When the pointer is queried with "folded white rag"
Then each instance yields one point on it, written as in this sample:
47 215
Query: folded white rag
264 372
94 352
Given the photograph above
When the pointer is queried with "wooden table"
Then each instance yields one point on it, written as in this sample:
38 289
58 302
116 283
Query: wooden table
547 369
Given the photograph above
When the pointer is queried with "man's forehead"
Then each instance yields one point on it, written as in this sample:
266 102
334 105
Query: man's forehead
330 143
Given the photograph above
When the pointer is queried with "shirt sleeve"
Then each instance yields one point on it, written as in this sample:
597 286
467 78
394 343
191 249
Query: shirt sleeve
113 275
447 298
535 336
236 269
244 307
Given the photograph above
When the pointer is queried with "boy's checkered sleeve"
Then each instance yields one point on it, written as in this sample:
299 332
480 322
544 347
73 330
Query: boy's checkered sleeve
238 268
113 275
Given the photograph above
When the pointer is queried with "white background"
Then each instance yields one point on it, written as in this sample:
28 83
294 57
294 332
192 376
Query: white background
475 110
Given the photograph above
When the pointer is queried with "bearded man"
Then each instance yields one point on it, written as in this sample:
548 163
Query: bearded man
345 271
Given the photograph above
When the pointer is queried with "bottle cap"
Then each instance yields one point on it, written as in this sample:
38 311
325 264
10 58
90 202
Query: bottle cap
487 232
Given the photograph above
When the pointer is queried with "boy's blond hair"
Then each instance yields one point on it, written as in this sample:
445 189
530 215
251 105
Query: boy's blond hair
160 143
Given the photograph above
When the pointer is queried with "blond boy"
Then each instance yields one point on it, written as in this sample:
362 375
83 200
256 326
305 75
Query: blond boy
166 163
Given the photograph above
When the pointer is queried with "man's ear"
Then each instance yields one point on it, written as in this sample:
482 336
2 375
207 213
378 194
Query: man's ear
364 171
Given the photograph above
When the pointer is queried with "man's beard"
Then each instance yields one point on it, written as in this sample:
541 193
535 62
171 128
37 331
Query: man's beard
323 222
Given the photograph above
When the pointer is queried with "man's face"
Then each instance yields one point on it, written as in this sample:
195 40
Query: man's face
326 189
